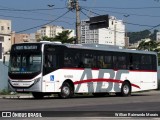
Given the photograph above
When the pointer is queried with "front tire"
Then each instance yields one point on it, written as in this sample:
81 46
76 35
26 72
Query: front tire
66 91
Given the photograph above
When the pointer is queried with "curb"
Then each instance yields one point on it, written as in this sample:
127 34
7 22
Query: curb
15 96
18 96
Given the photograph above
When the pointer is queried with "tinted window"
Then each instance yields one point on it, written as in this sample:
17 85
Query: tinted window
51 58
71 58
89 60
143 62
120 61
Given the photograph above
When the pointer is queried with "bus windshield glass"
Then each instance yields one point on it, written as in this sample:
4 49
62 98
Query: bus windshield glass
25 63
25 59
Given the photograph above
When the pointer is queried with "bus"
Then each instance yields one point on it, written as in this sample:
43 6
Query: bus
47 68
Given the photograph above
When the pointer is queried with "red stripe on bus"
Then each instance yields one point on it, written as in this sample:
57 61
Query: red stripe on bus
103 80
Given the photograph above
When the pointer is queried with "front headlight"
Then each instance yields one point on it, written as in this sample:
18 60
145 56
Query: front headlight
37 80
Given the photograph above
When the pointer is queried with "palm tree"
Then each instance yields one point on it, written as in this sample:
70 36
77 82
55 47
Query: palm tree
64 37
142 46
61 37
148 45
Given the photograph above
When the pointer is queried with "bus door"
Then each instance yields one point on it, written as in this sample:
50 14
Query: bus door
50 64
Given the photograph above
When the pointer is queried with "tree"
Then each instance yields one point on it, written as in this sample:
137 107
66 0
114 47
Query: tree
45 38
64 37
136 36
148 45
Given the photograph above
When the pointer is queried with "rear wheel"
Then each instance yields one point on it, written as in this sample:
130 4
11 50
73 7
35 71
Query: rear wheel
66 91
37 95
126 89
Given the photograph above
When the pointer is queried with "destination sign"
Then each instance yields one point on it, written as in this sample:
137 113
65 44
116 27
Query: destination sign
26 47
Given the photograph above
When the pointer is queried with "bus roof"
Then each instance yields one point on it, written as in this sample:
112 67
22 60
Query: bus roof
106 48
101 47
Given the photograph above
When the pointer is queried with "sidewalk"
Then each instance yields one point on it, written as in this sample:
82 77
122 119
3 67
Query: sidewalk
18 95
23 95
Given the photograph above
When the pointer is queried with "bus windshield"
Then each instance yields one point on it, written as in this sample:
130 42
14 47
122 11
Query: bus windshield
25 63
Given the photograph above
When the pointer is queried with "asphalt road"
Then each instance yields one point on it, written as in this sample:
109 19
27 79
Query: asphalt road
81 105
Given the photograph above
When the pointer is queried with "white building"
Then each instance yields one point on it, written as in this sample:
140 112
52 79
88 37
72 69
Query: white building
32 37
5 35
52 31
158 36
113 35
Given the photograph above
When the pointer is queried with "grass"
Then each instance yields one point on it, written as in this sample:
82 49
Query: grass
5 92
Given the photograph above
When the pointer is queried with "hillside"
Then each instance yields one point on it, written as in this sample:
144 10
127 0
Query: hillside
136 36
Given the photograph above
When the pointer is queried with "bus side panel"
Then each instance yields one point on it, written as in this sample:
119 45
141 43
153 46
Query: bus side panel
149 80
101 80
49 82
53 81
141 80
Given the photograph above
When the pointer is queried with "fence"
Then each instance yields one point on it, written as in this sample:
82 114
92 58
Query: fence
4 74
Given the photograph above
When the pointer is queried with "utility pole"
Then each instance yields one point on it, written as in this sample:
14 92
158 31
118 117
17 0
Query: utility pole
78 27
74 5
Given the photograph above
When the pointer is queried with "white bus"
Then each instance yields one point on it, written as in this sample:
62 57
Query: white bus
66 69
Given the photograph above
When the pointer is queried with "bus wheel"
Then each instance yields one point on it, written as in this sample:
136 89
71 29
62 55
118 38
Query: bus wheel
126 89
37 95
66 91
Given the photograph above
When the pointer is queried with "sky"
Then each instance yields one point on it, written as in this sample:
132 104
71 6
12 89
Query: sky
28 16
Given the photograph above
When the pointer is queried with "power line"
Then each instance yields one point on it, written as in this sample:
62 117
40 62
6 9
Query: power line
43 24
23 18
90 11
30 10
125 8
154 27
34 19
84 14
124 22
138 24
141 15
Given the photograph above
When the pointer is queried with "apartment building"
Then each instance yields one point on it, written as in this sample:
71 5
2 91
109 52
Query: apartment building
5 35
52 31
113 35
19 38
